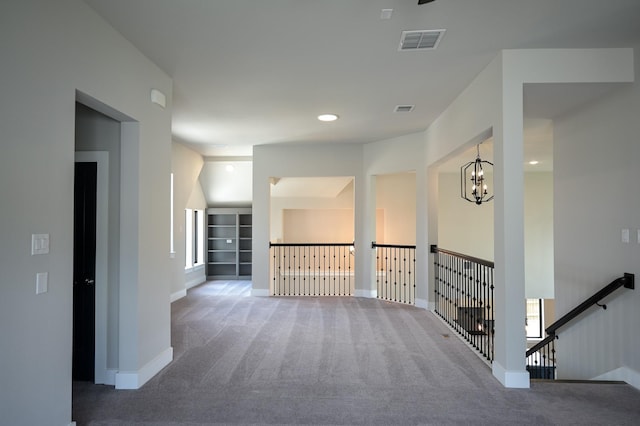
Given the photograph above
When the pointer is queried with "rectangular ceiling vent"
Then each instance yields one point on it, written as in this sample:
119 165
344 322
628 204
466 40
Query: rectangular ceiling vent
404 108
420 40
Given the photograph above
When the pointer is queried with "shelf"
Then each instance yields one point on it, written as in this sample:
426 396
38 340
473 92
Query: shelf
229 243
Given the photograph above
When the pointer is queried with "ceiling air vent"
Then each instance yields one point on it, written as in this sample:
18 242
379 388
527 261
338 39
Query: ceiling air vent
404 108
420 40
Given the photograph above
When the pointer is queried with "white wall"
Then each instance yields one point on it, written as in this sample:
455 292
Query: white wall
344 200
186 165
396 196
300 161
467 228
538 236
50 50
463 227
596 156
392 156
198 274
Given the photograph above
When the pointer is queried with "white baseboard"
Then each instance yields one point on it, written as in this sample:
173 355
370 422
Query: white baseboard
259 292
110 376
510 379
72 424
370 294
135 379
624 374
196 280
178 295
423 303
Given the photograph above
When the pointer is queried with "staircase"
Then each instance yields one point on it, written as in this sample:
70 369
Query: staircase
541 359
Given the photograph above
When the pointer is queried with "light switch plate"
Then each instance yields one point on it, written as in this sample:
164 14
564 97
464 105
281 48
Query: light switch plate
625 235
42 282
39 244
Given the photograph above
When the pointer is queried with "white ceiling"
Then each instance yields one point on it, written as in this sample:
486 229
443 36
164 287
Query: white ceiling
538 146
309 187
227 182
259 72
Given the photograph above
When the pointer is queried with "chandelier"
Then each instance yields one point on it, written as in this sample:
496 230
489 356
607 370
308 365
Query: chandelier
473 187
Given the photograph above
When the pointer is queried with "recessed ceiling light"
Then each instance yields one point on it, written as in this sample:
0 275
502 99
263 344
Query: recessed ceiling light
534 162
229 168
327 117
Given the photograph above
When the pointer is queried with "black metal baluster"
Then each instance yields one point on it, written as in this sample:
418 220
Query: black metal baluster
345 256
272 252
454 292
477 313
405 277
485 310
492 327
285 281
449 282
312 273
304 270
436 276
324 270
332 267
280 264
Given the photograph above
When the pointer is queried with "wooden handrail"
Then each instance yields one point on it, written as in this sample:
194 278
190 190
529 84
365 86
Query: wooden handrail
541 344
435 249
627 280
309 244
402 246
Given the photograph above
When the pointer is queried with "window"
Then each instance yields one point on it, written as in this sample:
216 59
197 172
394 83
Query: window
194 241
534 319
172 250
198 237
188 233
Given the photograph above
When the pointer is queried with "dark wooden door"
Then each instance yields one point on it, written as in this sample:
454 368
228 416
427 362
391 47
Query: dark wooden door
84 271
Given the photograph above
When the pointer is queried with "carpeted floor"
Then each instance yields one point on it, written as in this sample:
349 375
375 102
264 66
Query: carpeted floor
333 361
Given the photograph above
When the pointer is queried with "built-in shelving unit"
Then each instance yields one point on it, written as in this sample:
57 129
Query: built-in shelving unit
229 243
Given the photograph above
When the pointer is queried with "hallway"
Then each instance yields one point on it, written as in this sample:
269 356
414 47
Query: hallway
266 360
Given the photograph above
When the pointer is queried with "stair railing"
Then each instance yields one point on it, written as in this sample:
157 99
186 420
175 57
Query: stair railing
395 272
312 269
541 360
464 297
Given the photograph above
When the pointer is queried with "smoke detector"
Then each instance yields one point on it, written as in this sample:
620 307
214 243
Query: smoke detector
420 39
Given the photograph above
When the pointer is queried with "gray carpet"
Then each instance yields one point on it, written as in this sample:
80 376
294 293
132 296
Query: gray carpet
333 361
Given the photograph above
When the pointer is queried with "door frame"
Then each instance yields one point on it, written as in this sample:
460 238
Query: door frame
102 258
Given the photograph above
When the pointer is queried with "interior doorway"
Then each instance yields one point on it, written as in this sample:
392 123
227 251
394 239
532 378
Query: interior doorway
91 232
109 138
84 270
97 142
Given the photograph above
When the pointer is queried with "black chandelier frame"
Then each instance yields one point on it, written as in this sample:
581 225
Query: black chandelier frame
473 186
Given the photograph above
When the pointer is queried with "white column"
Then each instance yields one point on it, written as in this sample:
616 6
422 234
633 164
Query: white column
509 294
427 233
365 213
